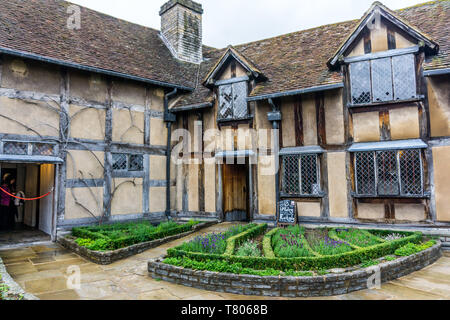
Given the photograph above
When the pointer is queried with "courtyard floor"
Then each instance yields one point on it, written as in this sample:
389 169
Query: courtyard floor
42 270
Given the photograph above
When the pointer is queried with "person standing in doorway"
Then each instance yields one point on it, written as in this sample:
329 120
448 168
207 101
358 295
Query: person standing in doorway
13 212
5 203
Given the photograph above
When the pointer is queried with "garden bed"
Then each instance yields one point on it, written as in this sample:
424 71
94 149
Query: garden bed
107 244
319 261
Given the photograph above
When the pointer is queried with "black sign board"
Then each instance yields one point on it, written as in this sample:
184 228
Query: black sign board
288 212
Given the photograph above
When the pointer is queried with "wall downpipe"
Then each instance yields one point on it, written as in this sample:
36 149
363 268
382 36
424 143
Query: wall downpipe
275 118
169 118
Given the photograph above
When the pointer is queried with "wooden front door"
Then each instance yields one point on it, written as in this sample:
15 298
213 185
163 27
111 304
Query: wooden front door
235 195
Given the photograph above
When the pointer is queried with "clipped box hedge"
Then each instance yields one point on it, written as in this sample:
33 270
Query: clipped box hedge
127 241
240 238
347 259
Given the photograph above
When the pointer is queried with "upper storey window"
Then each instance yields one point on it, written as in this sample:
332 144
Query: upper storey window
383 79
233 101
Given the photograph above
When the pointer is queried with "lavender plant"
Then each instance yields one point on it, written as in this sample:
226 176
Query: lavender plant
214 243
289 243
324 245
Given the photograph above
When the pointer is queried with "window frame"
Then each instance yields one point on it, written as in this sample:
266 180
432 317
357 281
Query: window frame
401 193
301 194
368 59
30 148
128 162
232 83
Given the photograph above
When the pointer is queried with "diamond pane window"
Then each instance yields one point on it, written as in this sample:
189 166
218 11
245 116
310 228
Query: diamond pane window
128 162
309 177
43 149
411 172
120 162
233 101
382 80
365 173
300 175
291 175
136 163
389 173
15 148
226 102
403 69
240 100
360 82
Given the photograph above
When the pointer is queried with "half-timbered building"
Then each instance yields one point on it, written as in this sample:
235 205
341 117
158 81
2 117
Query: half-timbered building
349 120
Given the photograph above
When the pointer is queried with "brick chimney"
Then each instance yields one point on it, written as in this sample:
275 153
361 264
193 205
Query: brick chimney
181 29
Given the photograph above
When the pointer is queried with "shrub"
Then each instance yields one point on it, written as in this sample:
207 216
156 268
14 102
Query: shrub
369 263
120 235
100 245
210 243
267 243
342 260
412 248
84 242
290 243
327 246
249 249
234 241
393 236
235 268
390 258
357 237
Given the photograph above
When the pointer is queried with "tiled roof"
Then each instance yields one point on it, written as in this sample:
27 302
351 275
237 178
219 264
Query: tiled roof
40 27
290 62
299 60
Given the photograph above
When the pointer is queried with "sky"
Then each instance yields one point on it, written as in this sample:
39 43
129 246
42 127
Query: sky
240 21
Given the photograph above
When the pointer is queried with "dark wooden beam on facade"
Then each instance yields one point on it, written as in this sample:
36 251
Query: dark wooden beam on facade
320 112
298 118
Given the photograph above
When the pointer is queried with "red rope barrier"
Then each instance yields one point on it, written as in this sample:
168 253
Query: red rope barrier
26 199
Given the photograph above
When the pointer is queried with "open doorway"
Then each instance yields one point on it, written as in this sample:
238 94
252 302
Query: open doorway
33 220
236 192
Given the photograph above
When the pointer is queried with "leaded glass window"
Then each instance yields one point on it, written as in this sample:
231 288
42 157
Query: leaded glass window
15 148
300 175
360 82
233 101
127 162
383 79
389 173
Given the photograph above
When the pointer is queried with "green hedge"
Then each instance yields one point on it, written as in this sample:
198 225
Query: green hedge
126 241
240 238
306 263
267 243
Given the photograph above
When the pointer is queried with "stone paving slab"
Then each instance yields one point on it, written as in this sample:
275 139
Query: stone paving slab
43 271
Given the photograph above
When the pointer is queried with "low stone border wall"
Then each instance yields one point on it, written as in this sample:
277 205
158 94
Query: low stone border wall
108 257
291 287
14 288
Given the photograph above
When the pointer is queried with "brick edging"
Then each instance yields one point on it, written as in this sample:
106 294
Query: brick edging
292 287
108 257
